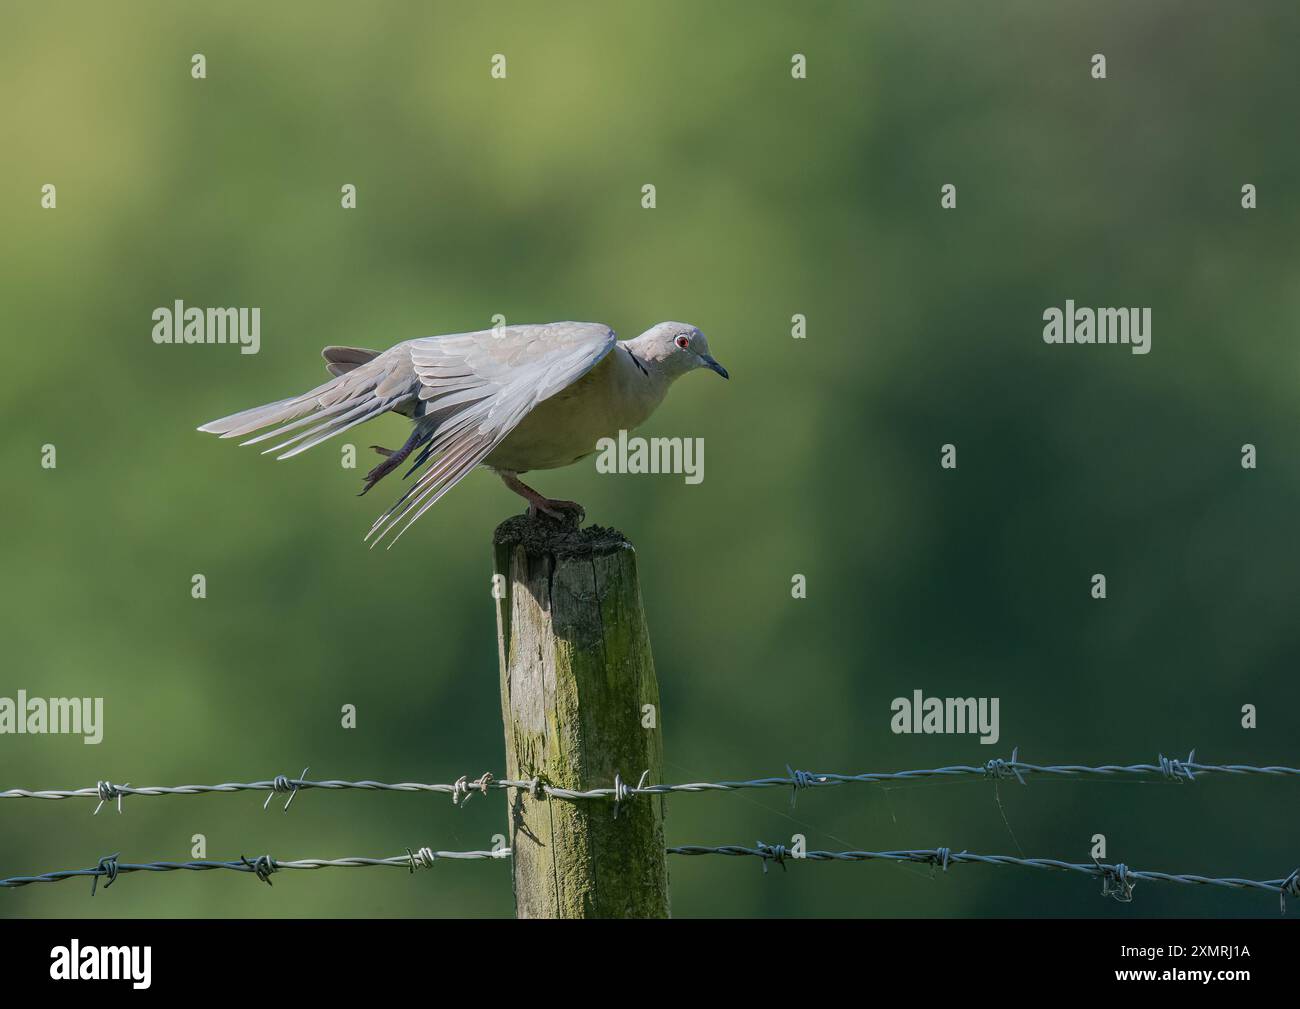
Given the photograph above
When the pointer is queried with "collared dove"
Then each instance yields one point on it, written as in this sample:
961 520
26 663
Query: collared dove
515 398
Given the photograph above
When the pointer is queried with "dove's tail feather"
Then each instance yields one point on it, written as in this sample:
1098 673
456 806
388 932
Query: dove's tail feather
364 389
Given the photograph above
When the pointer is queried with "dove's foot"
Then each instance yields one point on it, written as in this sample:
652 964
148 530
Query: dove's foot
566 512
392 459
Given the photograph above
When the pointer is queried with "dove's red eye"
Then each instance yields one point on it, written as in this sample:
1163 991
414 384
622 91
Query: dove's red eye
683 342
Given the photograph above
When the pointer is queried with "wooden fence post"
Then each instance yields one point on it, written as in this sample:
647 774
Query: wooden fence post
580 705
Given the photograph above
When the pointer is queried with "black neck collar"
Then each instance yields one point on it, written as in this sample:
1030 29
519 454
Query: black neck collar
636 360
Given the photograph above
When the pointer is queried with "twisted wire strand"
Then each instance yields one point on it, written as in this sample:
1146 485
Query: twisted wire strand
1117 879
1169 769
263 866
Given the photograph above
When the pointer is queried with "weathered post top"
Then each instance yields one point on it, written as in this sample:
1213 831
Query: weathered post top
580 705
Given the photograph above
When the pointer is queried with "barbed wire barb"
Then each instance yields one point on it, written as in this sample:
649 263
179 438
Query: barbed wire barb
107 791
999 768
1176 770
107 867
1290 888
798 780
1115 882
622 792
463 788
282 784
775 852
263 865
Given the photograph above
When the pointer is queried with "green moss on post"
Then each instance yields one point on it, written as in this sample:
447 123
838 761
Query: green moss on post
576 679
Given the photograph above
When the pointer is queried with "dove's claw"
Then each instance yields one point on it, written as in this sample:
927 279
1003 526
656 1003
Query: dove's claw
392 459
567 512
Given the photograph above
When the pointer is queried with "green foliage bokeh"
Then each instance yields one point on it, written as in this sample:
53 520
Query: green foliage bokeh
775 197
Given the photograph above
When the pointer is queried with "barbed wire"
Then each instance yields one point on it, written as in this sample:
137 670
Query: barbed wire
462 789
1118 880
262 866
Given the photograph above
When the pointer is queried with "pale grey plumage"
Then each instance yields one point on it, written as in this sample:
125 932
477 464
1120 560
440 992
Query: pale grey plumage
474 399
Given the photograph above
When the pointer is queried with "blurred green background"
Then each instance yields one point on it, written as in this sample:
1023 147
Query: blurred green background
775 196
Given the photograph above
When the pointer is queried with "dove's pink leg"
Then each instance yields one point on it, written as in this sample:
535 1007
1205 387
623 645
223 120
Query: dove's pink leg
392 459
537 502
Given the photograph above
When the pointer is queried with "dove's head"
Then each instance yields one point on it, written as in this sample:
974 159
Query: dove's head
676 348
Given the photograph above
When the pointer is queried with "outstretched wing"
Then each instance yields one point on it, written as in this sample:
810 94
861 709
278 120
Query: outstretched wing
476 388
385 382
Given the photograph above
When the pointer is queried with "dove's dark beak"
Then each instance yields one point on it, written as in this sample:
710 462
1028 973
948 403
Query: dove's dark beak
713 365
